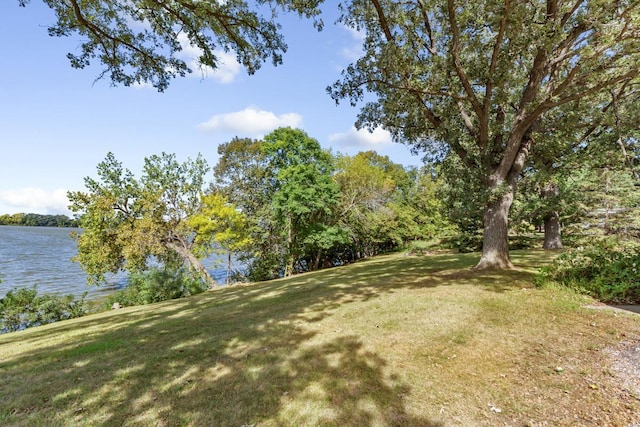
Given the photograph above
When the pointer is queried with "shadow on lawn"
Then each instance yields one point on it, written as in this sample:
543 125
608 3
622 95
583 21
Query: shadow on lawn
245 355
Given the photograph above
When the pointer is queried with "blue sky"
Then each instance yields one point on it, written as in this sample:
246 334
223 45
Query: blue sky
58 123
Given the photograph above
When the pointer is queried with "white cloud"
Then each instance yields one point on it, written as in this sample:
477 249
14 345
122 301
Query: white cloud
353 51
34 200
355 34
362 138
228 66
142 85
250 122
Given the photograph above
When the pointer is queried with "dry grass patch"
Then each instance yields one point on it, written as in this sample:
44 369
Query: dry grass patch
394 341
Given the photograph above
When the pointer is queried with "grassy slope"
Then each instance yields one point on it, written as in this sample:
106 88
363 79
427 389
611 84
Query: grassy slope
411 341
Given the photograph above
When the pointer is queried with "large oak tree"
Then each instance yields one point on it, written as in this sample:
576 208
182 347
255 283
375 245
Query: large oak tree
478 77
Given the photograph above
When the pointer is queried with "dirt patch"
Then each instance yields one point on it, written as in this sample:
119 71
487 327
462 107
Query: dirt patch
625 365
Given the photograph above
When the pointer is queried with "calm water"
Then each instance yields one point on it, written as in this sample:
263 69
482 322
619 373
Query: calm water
41 256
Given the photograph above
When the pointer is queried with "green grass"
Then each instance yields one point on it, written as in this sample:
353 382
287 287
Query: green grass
391 341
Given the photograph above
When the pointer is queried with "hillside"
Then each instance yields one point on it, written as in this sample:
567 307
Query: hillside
392 341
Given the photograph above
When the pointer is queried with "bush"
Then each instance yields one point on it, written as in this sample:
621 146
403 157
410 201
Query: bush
607 270
465 241
419 247
156 285
23 308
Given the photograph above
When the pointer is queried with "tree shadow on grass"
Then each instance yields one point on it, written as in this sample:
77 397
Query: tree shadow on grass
243 355
236 377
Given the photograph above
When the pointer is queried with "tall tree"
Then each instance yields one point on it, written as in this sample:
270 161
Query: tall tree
476 78
126 221
140 40
284 186
369 184
241 174
304 193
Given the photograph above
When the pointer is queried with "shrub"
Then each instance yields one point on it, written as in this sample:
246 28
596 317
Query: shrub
23 308
608 270
156 285
465 241
419 247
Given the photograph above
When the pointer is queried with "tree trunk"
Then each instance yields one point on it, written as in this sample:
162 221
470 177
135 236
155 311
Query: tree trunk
194 262
552 234
316 263
288 270
495 243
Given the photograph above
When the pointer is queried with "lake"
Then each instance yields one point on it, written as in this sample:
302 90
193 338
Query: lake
41 256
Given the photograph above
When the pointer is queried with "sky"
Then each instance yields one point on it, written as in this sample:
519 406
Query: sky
57 123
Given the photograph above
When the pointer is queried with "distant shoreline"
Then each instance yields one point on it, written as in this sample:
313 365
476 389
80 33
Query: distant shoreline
38 220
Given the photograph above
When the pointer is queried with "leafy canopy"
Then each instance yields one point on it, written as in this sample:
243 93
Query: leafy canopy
140 41
126 220
477 79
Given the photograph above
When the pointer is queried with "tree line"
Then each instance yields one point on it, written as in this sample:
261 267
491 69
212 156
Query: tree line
38 220
283 205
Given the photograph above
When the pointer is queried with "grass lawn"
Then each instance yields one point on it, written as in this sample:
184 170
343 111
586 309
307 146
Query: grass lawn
393 341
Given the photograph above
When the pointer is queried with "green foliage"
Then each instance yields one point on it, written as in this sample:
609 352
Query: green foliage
307 209
607 269
464 242
140 41
284 186
427 205
468 79
23 308
612 202
303 194
220 227
463 198
241 175
126 221
384 206
155 285
585 170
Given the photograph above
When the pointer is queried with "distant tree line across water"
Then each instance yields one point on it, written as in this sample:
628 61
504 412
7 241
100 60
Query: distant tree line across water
38 220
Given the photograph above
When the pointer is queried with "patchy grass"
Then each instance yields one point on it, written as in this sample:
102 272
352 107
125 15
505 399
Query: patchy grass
392 341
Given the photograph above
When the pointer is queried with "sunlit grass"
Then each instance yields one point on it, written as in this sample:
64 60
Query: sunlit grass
395 340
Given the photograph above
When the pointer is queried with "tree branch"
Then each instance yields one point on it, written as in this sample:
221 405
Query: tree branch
455 47
383 20
431 47
488 93
101 34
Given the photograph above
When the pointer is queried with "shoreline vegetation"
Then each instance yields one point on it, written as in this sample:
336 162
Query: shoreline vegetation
411 340
38 220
